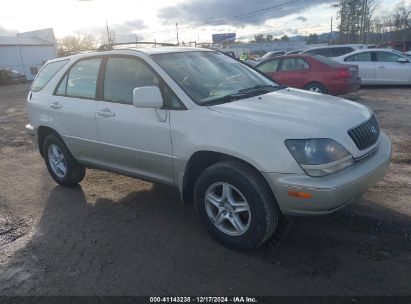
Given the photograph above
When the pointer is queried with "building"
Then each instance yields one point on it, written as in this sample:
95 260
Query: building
27 52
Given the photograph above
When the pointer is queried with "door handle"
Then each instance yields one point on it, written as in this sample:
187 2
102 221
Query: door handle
381 67
55 106
105 113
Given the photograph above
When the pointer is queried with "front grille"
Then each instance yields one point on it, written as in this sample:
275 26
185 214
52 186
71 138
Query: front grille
365 134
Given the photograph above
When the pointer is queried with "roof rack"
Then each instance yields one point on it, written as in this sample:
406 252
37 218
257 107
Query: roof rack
109 47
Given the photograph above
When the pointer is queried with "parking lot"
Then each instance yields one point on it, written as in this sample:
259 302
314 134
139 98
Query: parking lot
116 235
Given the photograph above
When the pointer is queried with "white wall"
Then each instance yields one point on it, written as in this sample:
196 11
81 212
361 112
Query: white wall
9 58
35 56
24 57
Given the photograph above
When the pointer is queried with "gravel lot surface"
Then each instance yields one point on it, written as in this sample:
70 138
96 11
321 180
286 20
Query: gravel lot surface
116 235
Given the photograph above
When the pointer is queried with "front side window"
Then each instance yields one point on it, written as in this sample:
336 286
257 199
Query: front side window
269 67
387 57
122 76
81 81
360 57
294 64
46 74
209 77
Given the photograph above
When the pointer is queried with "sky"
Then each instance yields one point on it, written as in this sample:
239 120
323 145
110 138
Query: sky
156 19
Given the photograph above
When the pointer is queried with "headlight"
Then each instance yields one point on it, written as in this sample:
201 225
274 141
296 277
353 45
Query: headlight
319 156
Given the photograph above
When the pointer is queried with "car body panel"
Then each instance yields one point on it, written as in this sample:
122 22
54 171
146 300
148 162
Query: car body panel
317 72
157 144
379 72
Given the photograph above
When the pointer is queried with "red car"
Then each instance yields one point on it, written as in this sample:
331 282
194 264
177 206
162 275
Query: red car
313 73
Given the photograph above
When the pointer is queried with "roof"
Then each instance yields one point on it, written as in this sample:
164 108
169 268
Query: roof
6 40
166 49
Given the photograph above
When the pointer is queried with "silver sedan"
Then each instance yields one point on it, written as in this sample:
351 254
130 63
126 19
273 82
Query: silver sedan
380 66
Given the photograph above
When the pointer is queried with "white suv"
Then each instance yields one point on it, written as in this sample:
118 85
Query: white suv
244 149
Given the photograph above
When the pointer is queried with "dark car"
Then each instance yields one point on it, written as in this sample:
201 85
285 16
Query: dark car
10 76
313 73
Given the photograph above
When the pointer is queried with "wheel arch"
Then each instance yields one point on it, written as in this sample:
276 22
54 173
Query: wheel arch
42 133
315 82
201 160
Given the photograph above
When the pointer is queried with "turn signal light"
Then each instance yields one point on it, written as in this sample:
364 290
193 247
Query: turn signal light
300 194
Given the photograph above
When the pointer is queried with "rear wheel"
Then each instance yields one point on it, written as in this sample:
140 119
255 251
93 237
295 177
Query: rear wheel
63 168
316 87
235 205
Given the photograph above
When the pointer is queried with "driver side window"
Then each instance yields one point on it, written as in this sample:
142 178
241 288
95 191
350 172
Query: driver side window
122 76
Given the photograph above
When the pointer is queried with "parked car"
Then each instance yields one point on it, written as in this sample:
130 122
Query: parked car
269 55
313 73
333 51
294 52
404 47
10 76
380 66
244 149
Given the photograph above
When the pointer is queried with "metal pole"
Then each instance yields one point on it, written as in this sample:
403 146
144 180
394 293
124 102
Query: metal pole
178 42
331 31
108 34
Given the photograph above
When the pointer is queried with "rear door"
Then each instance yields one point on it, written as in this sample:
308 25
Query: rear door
390 71
73 108
366 66
270 68
294 72
136 140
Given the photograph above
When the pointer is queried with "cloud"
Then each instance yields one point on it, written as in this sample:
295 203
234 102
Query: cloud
128 26
301 18
200 11
7 32
125 28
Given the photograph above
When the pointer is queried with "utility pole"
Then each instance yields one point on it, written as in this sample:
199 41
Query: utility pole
108 34
331 31
178 42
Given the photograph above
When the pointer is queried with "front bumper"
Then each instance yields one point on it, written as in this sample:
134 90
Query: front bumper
333 191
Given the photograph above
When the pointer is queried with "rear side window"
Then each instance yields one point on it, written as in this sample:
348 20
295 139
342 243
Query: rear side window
294 64
360 57
269 67
46 74
81 81
328 61
336 52
322 52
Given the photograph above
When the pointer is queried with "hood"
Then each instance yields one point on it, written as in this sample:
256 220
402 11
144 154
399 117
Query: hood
299 113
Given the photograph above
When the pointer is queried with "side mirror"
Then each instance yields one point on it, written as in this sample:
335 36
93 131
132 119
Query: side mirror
402 60
147 97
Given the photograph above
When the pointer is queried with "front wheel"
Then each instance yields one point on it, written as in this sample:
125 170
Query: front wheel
236 205
63 168
316 87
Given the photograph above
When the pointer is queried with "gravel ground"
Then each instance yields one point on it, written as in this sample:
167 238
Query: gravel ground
115 235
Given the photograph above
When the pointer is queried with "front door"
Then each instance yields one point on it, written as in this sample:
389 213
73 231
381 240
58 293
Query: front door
136 140
390 71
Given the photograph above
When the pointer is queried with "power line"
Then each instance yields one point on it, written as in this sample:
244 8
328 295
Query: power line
222 19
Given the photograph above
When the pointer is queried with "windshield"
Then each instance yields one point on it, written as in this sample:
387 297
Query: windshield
211 76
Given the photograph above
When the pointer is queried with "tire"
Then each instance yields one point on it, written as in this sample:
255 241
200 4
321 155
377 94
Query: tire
246 185
316 87
74 172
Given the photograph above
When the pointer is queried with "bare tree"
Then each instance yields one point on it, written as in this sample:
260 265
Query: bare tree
78 42
401 17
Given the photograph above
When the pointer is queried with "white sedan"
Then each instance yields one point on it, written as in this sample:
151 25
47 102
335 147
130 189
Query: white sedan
380 66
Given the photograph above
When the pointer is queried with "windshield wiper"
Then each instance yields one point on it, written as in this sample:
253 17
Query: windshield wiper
225 98
262 88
